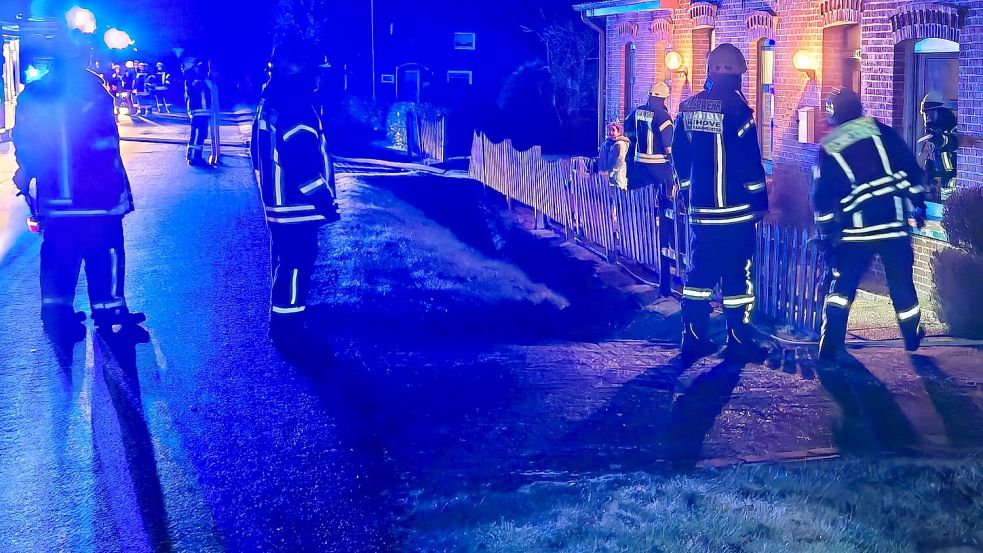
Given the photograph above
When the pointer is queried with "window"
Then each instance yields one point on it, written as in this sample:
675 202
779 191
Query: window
460 77
387 78
765 99
629 79
465 41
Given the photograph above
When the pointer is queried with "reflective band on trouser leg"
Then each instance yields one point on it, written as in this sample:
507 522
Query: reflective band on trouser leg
908 314
834 320
698 294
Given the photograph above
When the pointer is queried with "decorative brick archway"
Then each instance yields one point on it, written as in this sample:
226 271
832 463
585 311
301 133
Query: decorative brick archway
661 28
761 24
841 12
703 13
927 21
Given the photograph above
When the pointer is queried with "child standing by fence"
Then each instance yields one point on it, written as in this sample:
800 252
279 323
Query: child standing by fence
613 155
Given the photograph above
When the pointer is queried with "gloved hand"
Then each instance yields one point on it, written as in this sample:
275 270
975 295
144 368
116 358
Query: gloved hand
919 216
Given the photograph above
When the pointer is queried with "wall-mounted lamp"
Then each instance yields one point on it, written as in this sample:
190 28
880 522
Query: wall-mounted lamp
674 62
807 62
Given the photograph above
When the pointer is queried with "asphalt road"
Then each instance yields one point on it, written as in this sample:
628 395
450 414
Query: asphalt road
458 351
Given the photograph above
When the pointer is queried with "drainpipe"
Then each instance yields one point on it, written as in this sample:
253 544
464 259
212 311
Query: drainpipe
602 63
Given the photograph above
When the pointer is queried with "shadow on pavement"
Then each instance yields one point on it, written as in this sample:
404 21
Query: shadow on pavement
871 420
961 416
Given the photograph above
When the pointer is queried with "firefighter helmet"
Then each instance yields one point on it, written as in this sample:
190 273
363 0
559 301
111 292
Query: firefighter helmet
935 100
295 56
843 105
726 59
659 90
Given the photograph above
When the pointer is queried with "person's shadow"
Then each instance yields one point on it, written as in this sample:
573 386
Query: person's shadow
961 416
872 422
115 357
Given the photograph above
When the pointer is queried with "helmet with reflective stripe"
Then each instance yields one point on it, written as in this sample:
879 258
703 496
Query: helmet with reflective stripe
843 105
935 100
726 59
295 56
659 90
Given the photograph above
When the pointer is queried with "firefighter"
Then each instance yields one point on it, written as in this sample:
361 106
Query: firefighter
160 84
937 150
866 183
718 165
199 101
650 132
72 174
296 178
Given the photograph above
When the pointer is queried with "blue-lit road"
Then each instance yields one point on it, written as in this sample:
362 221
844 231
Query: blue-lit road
458 352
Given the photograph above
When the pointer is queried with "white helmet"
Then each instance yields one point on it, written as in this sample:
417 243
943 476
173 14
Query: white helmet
936 100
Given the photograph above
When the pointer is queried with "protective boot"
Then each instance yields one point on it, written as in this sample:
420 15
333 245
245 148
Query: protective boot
119 316
695 342
741 343
288 333
913 332
62 323
832 341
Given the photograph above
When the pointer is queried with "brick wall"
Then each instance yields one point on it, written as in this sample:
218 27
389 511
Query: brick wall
800 26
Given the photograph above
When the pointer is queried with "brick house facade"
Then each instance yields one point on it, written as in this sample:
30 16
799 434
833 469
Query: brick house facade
868 43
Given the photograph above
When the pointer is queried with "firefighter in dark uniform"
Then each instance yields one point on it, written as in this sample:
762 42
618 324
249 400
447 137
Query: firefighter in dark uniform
866 183
71 172
718 164
296 178
160 84
199 101
937 150
649 130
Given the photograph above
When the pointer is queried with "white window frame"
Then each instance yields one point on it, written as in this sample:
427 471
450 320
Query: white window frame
461 73
473 41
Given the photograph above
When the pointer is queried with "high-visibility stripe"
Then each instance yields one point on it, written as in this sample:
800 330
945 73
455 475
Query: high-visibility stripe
668 123
877 183
108 305
879 144
310 187
880 192
838 300
825 217
684 184
946 161
652 158
754 186
745 128
719 151
899 209
299 128
858 220
909 314
303 219
733 220
874 228
843 165
734 209
290 208
870 238
916 189
738 301
288 310
293 287
697 293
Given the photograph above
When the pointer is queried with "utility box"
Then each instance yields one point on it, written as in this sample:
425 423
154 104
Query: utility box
807 125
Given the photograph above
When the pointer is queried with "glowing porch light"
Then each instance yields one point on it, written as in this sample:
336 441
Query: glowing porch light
807 62
674 62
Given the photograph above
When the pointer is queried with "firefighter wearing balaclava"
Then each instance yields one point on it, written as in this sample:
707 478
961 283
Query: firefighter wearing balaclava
937 150
718 164
296 179
867 183
70 169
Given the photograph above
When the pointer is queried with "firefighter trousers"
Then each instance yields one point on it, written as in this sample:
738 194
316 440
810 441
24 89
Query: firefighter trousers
199 133
293 251
96 241
722 255
850 262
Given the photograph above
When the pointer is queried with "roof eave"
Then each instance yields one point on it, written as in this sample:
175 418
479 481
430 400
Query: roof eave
614 7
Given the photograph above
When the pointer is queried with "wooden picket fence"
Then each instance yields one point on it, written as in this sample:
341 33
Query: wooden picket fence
790 273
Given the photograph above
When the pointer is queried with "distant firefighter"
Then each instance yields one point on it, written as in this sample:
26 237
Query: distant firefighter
159 83
71 172
198 96
296 178
939 147
866 183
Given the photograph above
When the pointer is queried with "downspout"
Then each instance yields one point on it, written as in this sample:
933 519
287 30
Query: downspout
602 63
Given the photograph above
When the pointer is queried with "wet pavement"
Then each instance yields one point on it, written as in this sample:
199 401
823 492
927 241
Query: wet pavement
457 351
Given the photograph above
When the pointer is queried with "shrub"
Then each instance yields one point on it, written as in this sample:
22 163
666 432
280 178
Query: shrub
397 118
959 285
962 219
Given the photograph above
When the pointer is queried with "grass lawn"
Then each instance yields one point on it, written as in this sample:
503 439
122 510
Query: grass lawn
838 505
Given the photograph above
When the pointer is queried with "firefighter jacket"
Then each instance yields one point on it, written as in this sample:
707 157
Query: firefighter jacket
67 142
717 159
159 82
650 131
866 181
198 96
290 155
939 149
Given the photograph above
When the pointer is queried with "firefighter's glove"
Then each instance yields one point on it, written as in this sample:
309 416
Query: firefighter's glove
919 215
